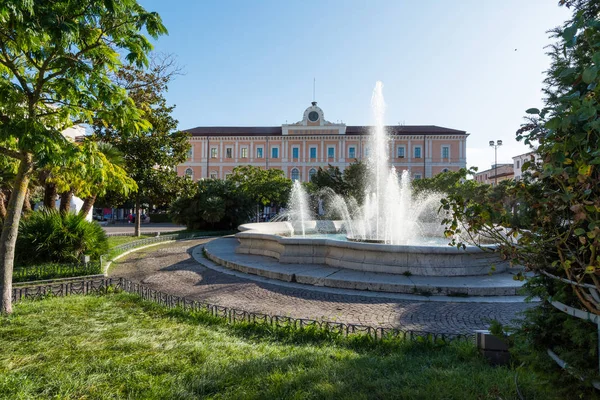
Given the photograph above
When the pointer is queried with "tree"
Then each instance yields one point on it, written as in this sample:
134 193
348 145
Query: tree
561 241
106 183
87 173
55 62
352 182
216 203
264 186
150 155
332 178
356 178
8 170
454 183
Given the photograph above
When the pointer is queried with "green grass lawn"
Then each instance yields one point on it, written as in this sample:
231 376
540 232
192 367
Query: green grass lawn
119 240
117 346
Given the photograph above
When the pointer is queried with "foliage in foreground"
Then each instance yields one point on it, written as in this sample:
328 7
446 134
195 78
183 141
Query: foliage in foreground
55 67
561 238
52 236
116 346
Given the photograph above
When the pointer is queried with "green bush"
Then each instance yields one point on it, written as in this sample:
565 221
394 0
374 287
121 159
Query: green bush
158 218
55 271
50 236
217 204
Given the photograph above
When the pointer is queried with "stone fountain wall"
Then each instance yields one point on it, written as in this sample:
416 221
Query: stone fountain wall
272 239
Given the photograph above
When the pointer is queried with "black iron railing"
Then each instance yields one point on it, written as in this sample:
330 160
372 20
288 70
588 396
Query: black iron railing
229 314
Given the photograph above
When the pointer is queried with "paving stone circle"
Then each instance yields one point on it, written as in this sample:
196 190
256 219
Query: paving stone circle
172 269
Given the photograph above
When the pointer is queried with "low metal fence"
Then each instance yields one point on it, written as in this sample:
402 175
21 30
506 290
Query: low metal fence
229 314
150 233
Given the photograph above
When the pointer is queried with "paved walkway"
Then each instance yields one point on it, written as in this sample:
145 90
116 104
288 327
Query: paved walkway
172 269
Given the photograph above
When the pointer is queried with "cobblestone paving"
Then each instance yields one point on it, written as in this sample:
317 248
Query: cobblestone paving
171 268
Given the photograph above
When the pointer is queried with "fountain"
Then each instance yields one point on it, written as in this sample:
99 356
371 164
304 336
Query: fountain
392 232
299 213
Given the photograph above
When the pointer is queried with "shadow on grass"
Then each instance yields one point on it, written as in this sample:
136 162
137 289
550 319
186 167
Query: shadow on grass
119 346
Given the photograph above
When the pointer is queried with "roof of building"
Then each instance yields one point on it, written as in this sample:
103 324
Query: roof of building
531 153
350 130
500 166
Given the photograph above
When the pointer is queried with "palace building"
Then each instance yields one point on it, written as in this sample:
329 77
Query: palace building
299 149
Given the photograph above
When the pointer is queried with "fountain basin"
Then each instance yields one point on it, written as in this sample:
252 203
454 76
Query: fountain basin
273 239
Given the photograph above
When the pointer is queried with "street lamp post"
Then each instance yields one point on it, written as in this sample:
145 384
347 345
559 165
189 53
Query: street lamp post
495 145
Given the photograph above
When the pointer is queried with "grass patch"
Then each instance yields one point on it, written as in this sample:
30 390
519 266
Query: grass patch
117 346
119 240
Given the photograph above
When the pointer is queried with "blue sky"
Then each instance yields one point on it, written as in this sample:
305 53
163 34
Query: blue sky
470 65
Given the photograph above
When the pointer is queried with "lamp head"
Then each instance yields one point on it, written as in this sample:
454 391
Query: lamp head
491 143
499 142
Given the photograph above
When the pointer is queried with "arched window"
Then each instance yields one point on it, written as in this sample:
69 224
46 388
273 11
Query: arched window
445 170
189 173
311 173
295 174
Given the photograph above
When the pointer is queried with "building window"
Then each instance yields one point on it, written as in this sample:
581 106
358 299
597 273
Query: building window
313 152
418 152
400 151
352 152
214 175
189 173
445 151
367 151
244 152
417 176
518 164
445 170
295 152
330 152
311 173
259 152
295 174
274 152
229 152
190 154
213 152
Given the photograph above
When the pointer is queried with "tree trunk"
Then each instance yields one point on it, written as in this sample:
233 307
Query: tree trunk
88 203
65 201
2 205
137 217
10 230
27 203
50 196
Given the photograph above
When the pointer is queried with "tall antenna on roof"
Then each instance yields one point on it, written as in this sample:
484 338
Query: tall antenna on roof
314 84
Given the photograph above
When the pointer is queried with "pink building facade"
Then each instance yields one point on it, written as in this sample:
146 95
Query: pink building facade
300 149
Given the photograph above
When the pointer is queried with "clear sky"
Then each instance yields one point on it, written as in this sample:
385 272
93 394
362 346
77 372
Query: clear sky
471 65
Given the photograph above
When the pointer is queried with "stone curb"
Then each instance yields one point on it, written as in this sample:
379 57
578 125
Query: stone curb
108 263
